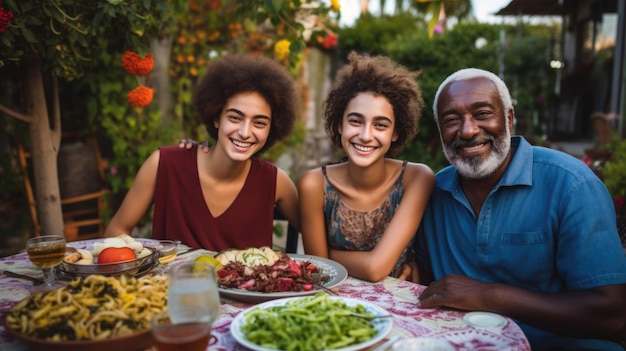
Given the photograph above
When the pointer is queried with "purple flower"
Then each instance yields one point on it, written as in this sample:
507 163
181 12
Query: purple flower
618 201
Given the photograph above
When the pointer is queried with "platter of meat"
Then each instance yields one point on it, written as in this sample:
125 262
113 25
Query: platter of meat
259 274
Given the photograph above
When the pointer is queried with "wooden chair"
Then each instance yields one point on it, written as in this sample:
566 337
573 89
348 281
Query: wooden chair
603 131
82 185
292 234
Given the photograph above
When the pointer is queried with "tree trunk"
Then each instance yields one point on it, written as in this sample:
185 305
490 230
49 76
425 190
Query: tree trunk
162 49
45 135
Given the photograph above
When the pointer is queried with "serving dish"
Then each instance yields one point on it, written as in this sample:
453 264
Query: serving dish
136 267
132 342
336 272
382 325
132 267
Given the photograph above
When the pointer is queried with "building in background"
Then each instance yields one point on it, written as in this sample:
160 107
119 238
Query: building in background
590 62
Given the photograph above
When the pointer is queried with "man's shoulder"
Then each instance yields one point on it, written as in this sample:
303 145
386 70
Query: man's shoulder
559 159
446 173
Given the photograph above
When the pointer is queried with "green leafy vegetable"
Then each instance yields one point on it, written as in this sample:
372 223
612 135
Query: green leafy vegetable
308 323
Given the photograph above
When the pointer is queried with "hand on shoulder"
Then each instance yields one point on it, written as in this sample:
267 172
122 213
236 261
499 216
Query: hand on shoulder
188 143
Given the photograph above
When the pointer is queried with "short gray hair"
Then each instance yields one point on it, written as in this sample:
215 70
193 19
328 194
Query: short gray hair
469 73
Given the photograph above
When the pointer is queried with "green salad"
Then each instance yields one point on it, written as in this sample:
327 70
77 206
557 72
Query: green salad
309 323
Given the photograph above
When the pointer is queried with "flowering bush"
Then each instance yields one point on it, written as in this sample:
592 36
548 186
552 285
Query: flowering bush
141 96
281 49
614 174
135 64
5 18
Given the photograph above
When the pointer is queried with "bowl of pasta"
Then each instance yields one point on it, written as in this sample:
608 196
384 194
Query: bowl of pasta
95 313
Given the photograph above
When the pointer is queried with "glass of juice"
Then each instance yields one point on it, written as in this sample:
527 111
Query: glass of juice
46 252
188 336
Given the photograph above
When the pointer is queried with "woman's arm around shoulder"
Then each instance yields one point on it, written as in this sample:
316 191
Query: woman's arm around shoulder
311 195
287 198
137 200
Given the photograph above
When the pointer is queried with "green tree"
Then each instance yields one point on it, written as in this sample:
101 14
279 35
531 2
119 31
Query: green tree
60 39
54 40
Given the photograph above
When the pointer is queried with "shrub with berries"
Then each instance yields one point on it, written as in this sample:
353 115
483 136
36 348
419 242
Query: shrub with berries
141 96
136 65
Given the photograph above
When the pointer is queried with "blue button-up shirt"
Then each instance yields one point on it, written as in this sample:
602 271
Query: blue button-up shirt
547 226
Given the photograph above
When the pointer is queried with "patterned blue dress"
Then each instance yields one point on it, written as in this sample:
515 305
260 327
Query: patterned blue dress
355 230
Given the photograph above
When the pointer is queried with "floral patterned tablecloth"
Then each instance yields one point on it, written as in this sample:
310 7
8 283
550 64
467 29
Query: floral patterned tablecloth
396 296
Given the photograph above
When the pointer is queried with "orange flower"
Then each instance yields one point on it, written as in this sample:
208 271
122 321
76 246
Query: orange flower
134 64
141 96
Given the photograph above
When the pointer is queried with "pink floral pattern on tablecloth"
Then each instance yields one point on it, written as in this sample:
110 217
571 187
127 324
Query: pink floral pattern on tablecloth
397 297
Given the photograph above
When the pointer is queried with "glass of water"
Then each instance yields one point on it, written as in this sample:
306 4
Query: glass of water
193 285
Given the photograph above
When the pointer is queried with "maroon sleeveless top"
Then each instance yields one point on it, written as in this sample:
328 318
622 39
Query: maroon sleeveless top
180 212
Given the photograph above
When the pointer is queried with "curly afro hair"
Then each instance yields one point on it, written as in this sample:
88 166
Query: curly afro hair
234 74
381 76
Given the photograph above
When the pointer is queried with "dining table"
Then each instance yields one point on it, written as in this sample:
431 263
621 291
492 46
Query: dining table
396 296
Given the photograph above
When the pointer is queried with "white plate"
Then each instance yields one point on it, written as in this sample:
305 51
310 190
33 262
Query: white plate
383 325
334 270
484 320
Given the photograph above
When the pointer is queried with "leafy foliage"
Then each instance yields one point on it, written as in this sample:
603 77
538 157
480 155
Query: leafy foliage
82 42
64 31
406 40
614 173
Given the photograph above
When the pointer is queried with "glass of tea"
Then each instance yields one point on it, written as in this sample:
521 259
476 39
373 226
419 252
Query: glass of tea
192 335
193 305
167 252
46 252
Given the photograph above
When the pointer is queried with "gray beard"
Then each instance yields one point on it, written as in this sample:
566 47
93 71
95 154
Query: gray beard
474 167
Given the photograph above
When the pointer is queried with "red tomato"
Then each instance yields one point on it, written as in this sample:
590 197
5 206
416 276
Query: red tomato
116 254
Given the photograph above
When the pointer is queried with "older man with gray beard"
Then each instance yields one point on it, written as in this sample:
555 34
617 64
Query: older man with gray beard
519 230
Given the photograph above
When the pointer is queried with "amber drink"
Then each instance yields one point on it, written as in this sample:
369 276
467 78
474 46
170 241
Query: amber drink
178 337
46 251
191 334
45 254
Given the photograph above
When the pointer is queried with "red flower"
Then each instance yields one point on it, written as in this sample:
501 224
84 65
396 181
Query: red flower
141 96
134 64
618 201
330 41
5 19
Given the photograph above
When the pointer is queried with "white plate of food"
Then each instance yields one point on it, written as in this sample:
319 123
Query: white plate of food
325 310
334 274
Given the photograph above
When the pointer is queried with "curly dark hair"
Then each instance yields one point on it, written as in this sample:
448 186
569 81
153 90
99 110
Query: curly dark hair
234 74
381 76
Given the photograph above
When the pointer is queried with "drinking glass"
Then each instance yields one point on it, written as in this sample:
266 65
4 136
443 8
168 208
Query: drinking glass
193 285
46 252
192 307
170 336
167 252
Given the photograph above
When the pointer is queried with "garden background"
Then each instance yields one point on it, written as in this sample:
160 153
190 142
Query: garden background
61 73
